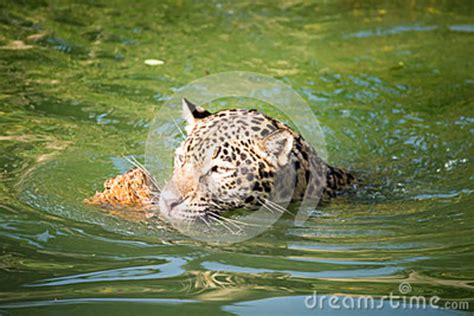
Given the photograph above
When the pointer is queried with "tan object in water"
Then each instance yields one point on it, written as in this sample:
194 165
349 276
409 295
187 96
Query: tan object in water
134 189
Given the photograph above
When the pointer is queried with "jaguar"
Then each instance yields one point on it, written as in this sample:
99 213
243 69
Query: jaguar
232 159
241 158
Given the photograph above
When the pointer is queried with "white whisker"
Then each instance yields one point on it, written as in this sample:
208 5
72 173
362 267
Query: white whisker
267 207
217 220
180 130
134 162
205 221
236 221
275 206
230 221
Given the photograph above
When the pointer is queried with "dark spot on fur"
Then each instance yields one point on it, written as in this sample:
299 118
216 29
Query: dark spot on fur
257 187
297 165
266 187
250 199
217 152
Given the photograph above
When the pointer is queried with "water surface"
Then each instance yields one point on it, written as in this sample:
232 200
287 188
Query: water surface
391 83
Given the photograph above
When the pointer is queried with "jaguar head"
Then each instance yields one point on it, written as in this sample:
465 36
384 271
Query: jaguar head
228 160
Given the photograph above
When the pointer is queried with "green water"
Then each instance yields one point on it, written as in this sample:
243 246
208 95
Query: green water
391 83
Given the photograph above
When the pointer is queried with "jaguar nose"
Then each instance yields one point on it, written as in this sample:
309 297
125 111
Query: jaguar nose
169 200
172 204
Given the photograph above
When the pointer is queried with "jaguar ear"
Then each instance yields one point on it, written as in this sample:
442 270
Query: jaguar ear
191 113
277 146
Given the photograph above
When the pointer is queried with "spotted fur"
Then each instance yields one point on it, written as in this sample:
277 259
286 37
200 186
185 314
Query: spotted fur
240 159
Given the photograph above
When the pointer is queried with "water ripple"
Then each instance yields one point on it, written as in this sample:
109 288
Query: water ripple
173 267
